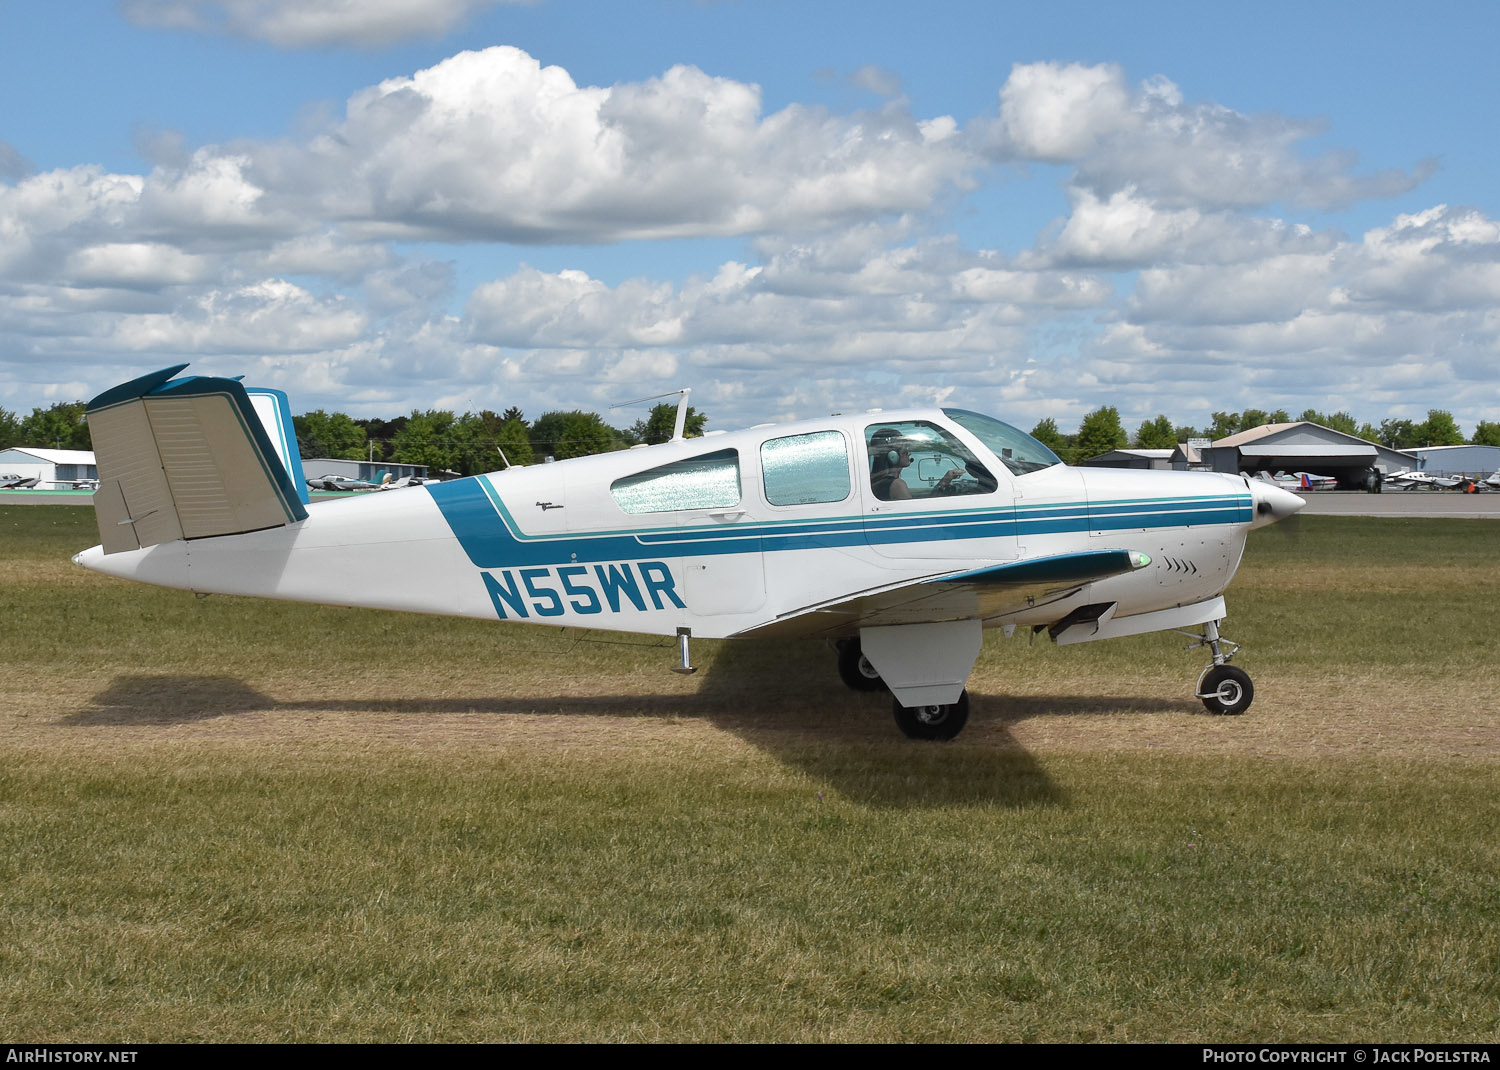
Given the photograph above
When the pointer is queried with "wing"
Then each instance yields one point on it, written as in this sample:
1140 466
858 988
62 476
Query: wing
973 594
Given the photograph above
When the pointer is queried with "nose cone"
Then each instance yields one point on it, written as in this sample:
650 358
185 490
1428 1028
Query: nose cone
1272 503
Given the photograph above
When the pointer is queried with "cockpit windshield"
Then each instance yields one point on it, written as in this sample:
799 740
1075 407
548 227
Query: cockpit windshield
1017 450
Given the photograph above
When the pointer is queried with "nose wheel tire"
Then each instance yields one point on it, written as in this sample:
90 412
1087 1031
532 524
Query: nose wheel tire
934 722
1226 689
855 669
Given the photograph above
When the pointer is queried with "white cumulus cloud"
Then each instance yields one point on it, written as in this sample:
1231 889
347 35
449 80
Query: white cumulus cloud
1149 139
494 146
1059 113
45 217
1126 231
310 23
135 264
1179 279
265 317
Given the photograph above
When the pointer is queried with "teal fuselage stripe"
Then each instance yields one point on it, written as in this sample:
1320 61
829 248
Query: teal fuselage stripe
492 539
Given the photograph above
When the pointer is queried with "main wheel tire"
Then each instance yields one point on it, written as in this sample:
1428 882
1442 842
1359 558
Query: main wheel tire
855 669
1226 689
933 722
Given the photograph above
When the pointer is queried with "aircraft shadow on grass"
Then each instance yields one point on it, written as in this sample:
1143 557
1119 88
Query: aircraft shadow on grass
805 719
843 745
1025 708
168 700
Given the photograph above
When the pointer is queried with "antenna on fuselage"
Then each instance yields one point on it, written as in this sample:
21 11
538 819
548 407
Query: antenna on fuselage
682 408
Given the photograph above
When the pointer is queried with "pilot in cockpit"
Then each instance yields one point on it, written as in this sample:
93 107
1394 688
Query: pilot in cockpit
890 453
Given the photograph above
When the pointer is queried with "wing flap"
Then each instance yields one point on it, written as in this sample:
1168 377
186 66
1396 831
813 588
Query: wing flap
973 594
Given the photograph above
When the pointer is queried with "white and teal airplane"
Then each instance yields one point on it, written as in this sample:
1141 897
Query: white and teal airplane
896 535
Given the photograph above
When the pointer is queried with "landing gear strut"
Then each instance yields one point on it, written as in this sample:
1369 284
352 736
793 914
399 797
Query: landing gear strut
1224 688
924 667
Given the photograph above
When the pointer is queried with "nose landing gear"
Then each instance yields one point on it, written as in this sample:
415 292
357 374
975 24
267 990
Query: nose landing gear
1224 688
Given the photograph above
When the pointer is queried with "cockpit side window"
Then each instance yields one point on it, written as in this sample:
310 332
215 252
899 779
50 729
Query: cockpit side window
917 459
804 469
710 481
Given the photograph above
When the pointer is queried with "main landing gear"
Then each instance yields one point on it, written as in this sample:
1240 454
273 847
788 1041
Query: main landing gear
855 669
922 663
933 722
1224 688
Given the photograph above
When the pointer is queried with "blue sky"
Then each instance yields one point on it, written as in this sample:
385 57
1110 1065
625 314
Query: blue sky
1170 207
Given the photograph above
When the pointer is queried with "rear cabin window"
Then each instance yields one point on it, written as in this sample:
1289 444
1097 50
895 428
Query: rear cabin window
711 481
804 469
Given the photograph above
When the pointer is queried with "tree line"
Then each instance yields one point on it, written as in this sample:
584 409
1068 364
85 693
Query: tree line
437 438
60 426
476 442
1102 431
473 442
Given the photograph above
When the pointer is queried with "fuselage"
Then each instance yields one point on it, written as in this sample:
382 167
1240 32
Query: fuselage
734 532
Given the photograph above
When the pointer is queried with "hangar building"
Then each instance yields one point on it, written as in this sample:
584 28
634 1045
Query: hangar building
369 471
49 466
1477 461
1153 459
1188 456
1356 463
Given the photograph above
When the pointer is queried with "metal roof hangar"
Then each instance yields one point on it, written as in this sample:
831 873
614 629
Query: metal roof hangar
1356 463
50 466
371 471
1159 460
1476 461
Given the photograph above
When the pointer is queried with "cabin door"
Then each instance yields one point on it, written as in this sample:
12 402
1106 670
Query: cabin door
926 496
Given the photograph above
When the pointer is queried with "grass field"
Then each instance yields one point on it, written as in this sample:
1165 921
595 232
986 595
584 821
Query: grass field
238 820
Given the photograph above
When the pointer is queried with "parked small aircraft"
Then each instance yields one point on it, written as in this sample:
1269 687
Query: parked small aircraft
12 481
897 535
390 482
1408 479
1295 481
333 482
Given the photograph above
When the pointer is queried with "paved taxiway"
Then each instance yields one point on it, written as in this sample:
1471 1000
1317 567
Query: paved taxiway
46 497
1483 506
